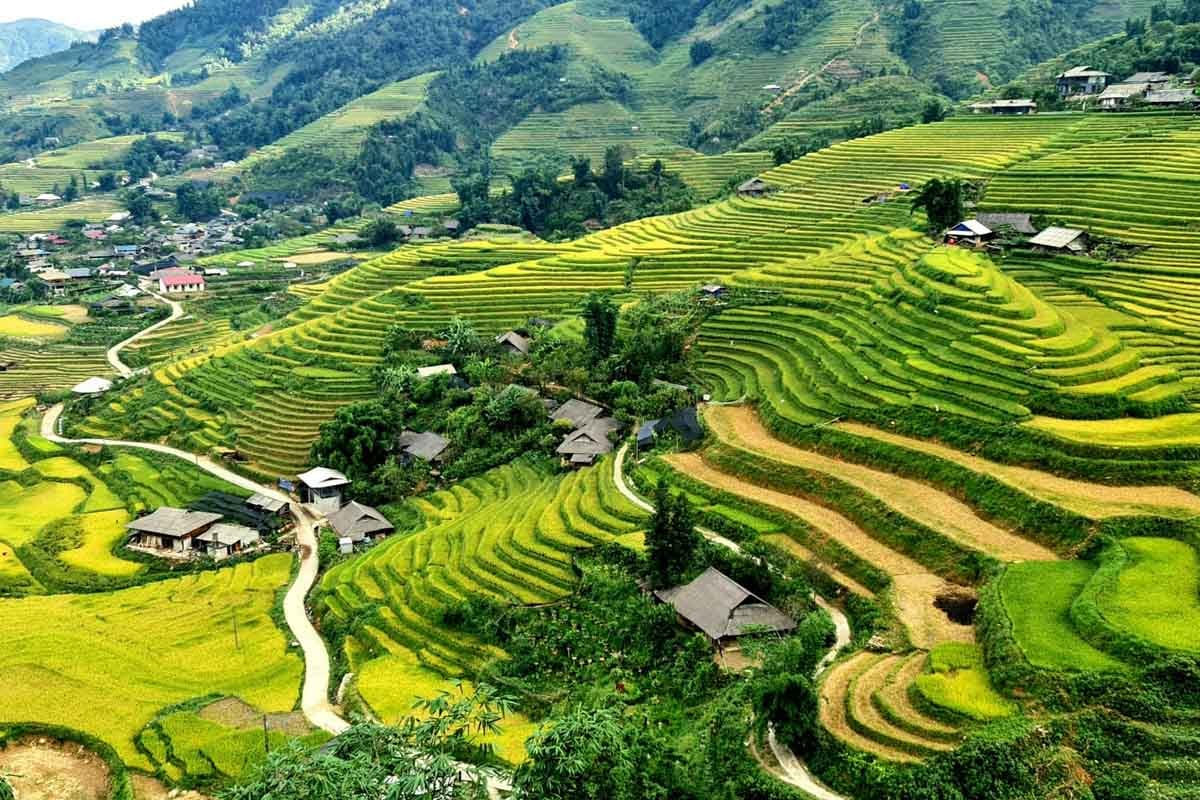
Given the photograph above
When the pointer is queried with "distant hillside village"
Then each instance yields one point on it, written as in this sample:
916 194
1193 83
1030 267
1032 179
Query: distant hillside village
1085 88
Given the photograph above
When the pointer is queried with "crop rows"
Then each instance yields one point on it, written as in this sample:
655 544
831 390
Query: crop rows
508 536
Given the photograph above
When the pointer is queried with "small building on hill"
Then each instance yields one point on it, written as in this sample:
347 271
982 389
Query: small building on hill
1121 95
173 530
1153 80
1006 107
970 232
267 506
714 291
514 343
427 447
360 523
724 610
1173 98
456 381
47 199
1082 80
684 423
323 487
579 413
93 386
755 187
1061 240
1017 223
586 445
224 540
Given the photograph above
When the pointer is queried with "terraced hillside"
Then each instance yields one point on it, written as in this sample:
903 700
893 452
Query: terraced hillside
869 314
508 536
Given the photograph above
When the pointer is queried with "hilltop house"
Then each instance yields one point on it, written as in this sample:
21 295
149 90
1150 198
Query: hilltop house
514 343
584 446
93 386
323 488
428 447
171 529
1121 94
47 199
1082 81
1154 81
723 610
755 187
685 423
1017 223
579 413
359 523
1173 98
1063 240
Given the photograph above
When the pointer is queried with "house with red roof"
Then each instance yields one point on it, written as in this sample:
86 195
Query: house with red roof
179 281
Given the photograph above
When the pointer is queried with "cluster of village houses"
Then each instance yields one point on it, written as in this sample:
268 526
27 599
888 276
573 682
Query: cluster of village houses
984 228
1082 83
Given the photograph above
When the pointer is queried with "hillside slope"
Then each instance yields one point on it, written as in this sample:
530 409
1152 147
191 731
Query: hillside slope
24 39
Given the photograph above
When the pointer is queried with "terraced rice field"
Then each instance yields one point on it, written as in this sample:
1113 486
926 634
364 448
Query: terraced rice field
44 220
146 648
1157 594
508 536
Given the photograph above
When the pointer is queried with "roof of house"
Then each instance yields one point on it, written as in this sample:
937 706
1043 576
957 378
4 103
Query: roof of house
1123 91
425 446
684 421
356 521
440 369
712 288
323 478
53 276
590 440
1018 222
1084 72
1056 238
1171 96
1148 77
971 227
267 503
172 279
514 340
174 522
93 386
754 185
722 608
48 198
227 534
579 412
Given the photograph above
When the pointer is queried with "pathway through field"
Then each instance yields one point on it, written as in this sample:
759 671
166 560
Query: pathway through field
1094 500
741 427
114 352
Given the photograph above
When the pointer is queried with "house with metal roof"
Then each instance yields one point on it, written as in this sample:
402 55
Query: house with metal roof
1067 240
428 447
93 386
1018 223
360 523
1082 80
323 487
724 610
585 446
968 232
685 423
170 529
224 540
514 343
1014 107
1121 94
1172 98
579 413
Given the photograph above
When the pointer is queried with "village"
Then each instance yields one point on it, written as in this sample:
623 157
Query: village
1085 89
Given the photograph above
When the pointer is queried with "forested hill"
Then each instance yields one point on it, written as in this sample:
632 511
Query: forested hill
24 39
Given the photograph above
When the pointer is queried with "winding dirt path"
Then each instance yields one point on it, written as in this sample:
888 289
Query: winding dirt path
314 700
1093 500
114 352
741 427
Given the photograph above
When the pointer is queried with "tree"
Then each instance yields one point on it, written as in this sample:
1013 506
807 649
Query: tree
197 203
613 180
475 198
461 338
672 540
600 325
701 50
380 232
934 111
357 441
108 182
943 201
141 209
71 193
597 754
432 755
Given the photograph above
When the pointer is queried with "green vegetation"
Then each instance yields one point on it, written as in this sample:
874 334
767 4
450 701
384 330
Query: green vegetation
959 683
1157 594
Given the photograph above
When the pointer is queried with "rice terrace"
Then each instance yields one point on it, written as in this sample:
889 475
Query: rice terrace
640 399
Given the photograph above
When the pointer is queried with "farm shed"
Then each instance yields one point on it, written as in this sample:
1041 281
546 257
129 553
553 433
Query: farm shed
1070 240
685 423
1006 107
224 540
514 343
1171 98
323 488
755 187
426 446
358 523
262 504
1019 223
970 231
171 529
93 386
1119 96
722 609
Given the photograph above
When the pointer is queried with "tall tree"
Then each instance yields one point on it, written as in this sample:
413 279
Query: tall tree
943 201
672 540
600 325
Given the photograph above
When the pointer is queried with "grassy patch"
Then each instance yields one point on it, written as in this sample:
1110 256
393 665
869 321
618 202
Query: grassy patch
19 327
1157 595
10 418
959 683
101 497
24 511
1169 431
101 532
106 663
1037 597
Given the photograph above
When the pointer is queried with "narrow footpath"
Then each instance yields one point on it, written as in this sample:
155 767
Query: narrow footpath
314 699
791 770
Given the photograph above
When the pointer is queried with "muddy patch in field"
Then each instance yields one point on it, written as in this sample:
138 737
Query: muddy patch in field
147 788
42 769
958 604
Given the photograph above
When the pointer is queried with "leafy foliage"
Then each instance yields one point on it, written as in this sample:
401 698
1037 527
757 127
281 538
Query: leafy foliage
672 540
